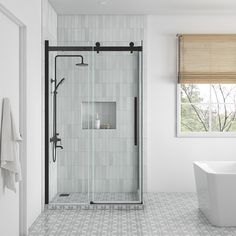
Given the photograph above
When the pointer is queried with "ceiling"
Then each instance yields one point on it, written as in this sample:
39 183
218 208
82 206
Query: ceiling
142 6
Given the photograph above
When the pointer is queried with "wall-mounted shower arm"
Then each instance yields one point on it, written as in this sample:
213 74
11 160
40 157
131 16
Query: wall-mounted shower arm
82 63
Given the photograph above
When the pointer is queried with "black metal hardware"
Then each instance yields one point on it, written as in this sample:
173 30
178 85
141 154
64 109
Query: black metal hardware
97 46
95 49
135 121
64 195
46 123
59 146
116 203
55 139
131 44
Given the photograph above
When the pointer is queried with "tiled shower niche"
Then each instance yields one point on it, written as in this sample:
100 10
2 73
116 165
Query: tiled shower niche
104 111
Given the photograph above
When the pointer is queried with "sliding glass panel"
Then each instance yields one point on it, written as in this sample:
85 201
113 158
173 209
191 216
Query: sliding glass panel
70 126
115 116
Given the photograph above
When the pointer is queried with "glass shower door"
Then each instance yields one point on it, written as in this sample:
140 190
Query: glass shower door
116 166
95 126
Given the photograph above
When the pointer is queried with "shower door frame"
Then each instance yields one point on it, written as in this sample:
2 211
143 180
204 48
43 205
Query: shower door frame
139 133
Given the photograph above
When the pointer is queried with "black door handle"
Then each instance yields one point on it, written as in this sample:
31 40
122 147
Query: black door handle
135 121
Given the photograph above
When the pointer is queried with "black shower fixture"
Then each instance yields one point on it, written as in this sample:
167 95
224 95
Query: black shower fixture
56 86
55 138
82 61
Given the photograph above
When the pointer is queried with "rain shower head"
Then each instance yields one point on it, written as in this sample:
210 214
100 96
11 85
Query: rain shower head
82 62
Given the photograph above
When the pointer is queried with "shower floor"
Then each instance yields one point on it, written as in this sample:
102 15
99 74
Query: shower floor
98 197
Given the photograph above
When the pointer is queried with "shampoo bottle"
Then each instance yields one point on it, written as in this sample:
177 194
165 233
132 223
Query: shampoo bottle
97 122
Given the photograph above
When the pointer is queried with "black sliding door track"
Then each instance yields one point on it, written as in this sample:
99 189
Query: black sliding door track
95 49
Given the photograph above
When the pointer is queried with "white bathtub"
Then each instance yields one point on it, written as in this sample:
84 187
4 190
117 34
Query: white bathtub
216 190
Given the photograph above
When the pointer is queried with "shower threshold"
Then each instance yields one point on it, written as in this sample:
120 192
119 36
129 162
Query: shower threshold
100 201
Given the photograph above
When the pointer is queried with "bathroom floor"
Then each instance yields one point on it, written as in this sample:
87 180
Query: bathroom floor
83 197
164 214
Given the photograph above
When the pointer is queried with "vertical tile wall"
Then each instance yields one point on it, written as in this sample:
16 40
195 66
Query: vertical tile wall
49 32
115 80
115 155
73 162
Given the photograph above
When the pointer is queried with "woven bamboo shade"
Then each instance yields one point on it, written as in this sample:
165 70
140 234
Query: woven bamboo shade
207 58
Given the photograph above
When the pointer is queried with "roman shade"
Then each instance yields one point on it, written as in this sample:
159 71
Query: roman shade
207 58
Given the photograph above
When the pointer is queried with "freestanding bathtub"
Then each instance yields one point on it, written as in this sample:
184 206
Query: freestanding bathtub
216 190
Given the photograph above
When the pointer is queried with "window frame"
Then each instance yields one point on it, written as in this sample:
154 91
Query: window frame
208 134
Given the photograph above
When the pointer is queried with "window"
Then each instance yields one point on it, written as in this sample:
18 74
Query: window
207 84
207 109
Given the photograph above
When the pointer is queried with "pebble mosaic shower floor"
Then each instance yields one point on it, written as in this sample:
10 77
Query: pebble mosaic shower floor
164 214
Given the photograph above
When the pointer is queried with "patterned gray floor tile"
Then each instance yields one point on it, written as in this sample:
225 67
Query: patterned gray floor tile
164 214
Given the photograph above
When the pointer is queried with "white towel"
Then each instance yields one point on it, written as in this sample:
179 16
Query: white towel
9 155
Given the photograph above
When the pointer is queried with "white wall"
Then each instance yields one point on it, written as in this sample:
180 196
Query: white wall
169 158
9 87
29 12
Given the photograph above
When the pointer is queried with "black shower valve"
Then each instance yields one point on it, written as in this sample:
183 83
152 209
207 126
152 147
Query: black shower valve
55 139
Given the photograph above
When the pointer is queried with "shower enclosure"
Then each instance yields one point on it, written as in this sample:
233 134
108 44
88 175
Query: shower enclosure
93 123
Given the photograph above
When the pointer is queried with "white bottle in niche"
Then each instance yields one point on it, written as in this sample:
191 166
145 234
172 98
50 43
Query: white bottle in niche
97 122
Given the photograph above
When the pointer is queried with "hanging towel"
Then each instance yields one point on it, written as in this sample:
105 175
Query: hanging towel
9 155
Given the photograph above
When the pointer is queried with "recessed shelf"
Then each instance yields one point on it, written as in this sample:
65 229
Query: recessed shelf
106 114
